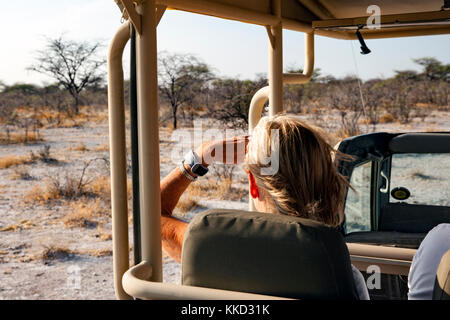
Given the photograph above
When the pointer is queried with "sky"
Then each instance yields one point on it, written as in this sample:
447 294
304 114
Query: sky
232 49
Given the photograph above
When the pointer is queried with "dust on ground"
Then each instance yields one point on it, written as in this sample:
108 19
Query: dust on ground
44 257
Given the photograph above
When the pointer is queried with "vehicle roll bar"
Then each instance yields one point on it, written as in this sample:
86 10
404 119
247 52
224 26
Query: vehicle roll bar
117 151
136 283
144 279
148 139
390 260
226 11
262 95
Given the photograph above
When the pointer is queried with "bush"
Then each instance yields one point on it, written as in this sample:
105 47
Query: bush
386 118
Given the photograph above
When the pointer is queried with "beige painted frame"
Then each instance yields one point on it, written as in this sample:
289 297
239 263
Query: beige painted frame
144 281
117 151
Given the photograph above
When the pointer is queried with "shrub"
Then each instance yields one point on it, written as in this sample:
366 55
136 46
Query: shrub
386 118
10 161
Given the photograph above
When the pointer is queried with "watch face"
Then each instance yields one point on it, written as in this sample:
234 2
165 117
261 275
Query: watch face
199 170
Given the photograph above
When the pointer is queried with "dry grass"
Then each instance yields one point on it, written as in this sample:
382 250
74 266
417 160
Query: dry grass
21 225
54 189
80 147
386 118
365 121
343 133
11 160
201 188
87 213
21 174
69 188
430 129
104 147
21 138
167 127
101 187
86 207
54 252
186 204
51 118
102 235
84 214
99 253
36 194
211 189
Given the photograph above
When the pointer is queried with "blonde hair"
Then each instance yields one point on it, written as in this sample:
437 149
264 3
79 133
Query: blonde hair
307 183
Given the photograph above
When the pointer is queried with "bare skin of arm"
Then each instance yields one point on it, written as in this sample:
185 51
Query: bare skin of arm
174 184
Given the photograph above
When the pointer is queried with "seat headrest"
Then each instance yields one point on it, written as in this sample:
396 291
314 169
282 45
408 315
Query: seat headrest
442 284
267 254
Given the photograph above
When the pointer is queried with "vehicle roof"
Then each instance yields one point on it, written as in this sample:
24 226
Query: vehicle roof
331 18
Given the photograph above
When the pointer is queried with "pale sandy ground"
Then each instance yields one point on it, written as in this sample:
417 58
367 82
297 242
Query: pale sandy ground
23 275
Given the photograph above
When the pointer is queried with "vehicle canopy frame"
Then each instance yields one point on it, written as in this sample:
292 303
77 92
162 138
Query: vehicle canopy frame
339 19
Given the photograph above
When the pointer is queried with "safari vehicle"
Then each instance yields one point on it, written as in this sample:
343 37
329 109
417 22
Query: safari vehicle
276 258
401 193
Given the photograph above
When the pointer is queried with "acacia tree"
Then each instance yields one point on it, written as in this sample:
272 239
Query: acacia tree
181 78
232 99
433 69
74 65
344 96
374 95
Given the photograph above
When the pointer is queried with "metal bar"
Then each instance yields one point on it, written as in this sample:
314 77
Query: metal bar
375 251
234 13
117 151
384 33
385 19
134 150
254 114
386 266
135 281
256 106
133 16
335 34
276 63
390 260
402 33
308 71
148 128
262 95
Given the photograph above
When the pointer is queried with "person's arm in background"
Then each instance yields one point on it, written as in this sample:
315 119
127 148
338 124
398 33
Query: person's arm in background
174 185
422 273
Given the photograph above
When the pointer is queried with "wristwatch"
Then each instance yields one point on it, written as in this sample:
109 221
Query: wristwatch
194 163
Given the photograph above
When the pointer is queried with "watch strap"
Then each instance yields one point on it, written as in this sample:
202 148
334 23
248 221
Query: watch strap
195 164
185 173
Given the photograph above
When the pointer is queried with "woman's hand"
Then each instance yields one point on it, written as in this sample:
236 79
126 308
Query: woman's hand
228 151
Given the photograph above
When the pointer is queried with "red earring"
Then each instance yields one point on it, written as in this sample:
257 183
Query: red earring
254 193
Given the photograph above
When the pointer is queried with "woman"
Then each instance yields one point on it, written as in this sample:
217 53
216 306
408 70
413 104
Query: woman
305 182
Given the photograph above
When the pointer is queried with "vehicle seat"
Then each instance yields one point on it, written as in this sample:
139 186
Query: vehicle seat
442 283
267 254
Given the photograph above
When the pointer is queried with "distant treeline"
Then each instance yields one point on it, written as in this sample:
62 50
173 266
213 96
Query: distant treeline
189 88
